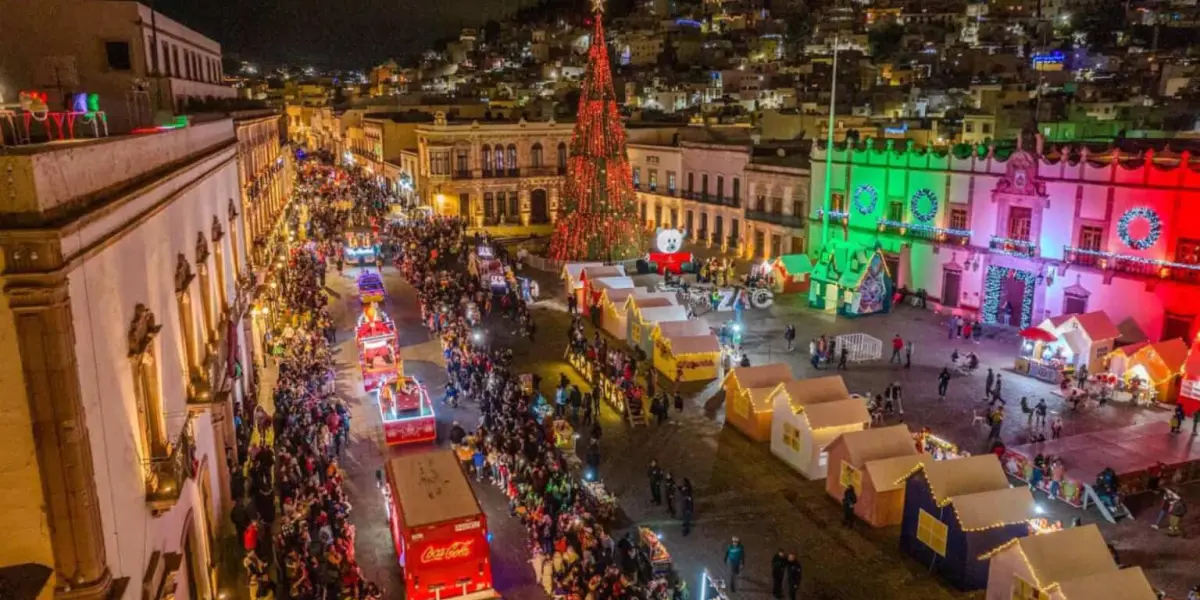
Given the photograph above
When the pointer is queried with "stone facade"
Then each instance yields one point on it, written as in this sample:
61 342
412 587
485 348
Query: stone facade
123 308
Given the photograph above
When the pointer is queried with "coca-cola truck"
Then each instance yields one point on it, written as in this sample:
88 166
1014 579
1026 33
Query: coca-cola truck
439 530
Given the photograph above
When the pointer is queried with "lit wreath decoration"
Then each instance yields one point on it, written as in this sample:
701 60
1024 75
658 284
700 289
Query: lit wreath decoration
924 195
865 199
1151 237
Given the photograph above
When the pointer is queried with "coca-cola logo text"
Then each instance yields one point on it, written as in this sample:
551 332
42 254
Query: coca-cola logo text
442 553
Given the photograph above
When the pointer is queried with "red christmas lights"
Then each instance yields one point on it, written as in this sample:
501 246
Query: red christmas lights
600 212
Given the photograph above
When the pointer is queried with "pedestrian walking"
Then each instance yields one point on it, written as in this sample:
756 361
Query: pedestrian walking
999 386
689 506
656 478
1039 413
789 336
845 357
1178 511
669 489
1164 508
794 576
678 402
735 557
897 346
849 499
943 383
908 348
898 397
779 564
988 382
997 421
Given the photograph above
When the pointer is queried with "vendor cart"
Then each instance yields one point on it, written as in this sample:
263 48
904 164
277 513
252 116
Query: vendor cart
650 545
407 412
370 287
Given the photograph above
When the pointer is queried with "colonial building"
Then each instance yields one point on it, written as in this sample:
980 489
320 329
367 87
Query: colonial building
265 174
1048 231
777 206
125 288
495 172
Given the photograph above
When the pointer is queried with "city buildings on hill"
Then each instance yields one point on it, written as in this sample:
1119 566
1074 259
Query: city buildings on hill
128 266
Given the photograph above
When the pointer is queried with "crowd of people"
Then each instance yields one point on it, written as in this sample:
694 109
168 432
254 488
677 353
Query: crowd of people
291 512
515 445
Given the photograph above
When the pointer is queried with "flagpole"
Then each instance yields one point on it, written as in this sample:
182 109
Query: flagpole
829 149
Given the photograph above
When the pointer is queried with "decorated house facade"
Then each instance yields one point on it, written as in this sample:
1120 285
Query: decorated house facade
1041 230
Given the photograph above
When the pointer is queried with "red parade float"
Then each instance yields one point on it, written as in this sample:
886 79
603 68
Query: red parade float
438 527
407 412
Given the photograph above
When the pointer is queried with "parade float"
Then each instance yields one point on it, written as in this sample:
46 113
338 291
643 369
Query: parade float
808 414
851 280
747 397
957 513
407 412
360 247
686 351
374 324
490 271
439 530
370 287
874 461
379 360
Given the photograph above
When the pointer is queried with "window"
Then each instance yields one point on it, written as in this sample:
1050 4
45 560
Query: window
986 128
514 204
142 333
760 203
1019 221
737 189
691 183
798 208
489 204
932 532
674 218
969 127
498 159
720 187
1187 251
896 211
704 185
1023 590
163 64
671 182
791 437
637 177
658 215
175 56
653 175
512 157
777 205
734 228
485 160
837 203
1089 237
535 155
118 56
562 157
958 218
206 293
652 160
462 165
1074 304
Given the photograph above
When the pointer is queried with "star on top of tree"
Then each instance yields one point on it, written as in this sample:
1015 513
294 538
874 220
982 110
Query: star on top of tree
597 6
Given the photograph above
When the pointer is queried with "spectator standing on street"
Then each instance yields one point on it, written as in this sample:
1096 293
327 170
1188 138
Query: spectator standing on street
1178 511
997 388
735 557
689 507
849 499
669 488
1039 413
789 336
943 383
656 478
846 356
908 348
897 346
989 382
779 565
794 576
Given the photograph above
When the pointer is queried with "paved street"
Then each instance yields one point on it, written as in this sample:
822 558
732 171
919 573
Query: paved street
741 489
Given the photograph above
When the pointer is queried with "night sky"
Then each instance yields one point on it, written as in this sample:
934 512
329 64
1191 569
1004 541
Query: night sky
328 33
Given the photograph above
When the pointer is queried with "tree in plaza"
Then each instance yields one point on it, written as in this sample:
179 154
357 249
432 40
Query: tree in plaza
600 214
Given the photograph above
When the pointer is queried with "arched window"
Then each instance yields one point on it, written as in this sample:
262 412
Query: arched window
512 157
233 244
197 384
562 157
498 159
206 292
485 156
144 360
535 155
218 234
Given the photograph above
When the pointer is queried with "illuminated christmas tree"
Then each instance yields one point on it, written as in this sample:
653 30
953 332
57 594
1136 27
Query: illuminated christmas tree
600 213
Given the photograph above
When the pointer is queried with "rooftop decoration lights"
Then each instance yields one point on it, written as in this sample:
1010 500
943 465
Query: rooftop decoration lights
1152 235
600 218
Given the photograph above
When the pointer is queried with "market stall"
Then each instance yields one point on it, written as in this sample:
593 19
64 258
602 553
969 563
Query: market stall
959 512
380 362
613 318
438 528
873 461
1069 341
935 447
808 415
642 314
589 293
684 358
1036 566
1150 373
572 275
851 280
791 273
595 290
370 287
407 412
747 397
1189 388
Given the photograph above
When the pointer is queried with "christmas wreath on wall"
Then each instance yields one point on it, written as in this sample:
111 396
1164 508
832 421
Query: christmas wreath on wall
865 199
924 205
1153 232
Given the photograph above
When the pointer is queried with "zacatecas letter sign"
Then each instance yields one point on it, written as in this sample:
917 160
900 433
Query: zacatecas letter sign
461 549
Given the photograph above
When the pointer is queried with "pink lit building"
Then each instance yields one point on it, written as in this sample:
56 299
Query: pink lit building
1045 230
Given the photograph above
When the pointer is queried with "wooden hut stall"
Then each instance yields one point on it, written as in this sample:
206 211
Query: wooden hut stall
875 462
642 314
1035 566
1158 366
572 276
1123 584
688 357
748 398
791 274
808 414
1088 338
1189 388
590 279
612 320
957 512
851 280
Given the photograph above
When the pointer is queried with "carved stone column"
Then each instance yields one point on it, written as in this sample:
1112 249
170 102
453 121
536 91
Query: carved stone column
37 293
524 208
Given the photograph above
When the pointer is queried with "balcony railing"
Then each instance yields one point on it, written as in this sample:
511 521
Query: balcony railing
933 235
1013 247
460 175
166 475
542 171
793 221
1131 265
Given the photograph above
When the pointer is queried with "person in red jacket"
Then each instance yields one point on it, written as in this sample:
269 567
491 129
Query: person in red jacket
897 346
250 538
